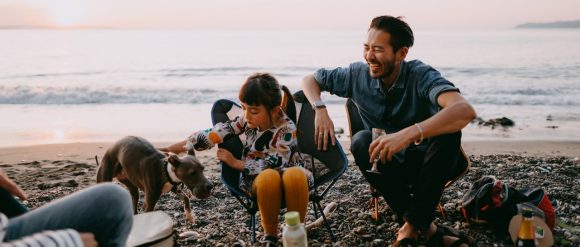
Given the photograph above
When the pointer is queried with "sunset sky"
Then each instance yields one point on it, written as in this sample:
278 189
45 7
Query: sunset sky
268 14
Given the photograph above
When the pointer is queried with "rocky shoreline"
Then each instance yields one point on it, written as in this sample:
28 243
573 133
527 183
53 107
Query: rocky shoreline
221 220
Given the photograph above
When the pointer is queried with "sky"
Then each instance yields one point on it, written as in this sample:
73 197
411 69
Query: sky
273 14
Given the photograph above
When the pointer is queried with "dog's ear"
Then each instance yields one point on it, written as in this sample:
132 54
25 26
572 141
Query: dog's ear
191 152
173 159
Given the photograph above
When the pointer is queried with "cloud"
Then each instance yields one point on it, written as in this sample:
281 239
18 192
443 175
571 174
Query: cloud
280 14
13 15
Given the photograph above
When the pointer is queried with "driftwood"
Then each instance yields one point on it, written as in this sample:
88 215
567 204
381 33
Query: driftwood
328 210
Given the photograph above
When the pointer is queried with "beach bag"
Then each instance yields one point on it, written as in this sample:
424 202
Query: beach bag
491 202
152 229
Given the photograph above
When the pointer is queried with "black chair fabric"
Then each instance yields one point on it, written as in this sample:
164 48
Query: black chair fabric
334 159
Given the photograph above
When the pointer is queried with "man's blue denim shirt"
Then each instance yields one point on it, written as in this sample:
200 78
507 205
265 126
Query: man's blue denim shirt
411 99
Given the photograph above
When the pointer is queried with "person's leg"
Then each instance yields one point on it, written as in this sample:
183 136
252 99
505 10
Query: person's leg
104 210
296 191
438 166
10 206
389 183
267 187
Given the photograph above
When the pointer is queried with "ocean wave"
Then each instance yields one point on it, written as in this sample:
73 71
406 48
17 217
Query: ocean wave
43 75
109 95
288 71
282 71
569 71
532 100
173 95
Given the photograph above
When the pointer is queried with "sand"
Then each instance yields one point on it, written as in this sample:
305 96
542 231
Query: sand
47 172
85 152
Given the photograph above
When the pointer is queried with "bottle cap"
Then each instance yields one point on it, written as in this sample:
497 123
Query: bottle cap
527 213
292 218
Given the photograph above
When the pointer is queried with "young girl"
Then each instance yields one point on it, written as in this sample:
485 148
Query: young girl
270 162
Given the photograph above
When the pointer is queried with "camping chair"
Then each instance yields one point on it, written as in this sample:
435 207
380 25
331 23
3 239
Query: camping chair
355 125
333 159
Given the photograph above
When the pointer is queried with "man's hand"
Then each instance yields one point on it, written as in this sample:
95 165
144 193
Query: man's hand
388 145
323 129
12 188
88 239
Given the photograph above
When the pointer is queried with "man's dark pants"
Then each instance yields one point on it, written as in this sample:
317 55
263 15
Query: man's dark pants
413 182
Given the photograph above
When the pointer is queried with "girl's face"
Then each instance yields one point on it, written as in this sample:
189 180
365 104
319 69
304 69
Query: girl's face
258 116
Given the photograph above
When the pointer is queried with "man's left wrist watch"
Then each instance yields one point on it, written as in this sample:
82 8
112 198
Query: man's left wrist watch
319 104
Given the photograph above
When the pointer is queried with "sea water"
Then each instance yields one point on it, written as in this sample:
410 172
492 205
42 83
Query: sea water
102 84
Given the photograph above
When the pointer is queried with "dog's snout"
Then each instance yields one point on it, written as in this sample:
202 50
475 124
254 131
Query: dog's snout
208 186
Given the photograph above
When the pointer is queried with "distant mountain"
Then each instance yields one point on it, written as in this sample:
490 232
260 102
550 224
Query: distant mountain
557 24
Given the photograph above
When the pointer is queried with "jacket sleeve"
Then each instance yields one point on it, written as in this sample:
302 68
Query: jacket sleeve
60 238
206 139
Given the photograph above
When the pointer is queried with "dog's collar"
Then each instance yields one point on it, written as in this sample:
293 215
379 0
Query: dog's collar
170 174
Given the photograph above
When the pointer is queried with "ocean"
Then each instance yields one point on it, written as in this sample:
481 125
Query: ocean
60 86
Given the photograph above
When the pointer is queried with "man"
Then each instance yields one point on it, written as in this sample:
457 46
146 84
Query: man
422 113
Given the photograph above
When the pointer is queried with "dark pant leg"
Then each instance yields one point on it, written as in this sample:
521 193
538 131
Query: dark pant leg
392 186
10 206
438 166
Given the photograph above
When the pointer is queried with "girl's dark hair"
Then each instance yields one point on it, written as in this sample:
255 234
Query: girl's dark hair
401 33
264 89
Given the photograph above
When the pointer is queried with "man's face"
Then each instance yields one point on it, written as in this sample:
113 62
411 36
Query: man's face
379 54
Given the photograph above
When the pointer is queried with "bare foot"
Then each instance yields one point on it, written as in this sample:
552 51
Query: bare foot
447 239
407 231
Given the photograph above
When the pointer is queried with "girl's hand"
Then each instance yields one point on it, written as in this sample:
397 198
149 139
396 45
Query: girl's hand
225 156
228 158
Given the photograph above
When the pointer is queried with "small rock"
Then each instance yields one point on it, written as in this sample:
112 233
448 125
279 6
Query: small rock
378 242
188 234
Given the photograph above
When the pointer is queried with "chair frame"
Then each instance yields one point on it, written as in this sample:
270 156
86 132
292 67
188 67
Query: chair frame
355 125
230 177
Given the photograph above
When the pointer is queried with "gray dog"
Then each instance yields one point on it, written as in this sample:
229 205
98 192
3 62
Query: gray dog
136 163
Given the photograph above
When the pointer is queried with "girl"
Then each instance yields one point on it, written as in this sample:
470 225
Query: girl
270 163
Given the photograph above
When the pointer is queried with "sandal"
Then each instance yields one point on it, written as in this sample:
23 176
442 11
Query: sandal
445 231
405 242
269 241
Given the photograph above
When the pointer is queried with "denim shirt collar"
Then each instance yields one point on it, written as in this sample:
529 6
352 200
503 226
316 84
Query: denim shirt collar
399 82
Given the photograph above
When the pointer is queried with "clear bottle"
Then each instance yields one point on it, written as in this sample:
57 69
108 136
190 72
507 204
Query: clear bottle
527 230
294 234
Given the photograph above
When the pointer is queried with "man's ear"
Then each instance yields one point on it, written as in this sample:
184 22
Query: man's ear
173 159
402 53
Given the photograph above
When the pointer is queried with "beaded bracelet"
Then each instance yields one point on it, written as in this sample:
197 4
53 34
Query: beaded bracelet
421 132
